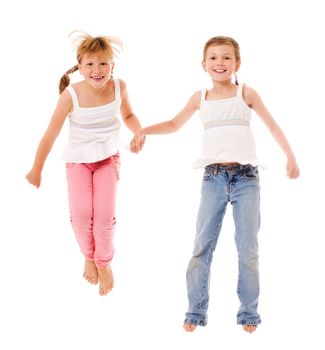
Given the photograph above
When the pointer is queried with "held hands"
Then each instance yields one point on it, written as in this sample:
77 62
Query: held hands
292 169
138 141
34 178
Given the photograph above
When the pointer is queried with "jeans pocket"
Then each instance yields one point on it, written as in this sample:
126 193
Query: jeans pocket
117 165
251 173
69 165
207 176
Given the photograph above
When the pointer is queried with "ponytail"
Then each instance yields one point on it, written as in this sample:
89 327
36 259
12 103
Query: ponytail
236 79
65 80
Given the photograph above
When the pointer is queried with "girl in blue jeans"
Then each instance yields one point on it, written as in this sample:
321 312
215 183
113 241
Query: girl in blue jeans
230 176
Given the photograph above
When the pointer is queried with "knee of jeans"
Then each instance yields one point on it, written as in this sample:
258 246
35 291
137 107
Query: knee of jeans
250 262
105 223
193 263
196 262
81 222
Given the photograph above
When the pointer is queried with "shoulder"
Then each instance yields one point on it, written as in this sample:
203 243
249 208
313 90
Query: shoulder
195 99
66 98
122 83
250 96
77 87
197 94
123 87
75 90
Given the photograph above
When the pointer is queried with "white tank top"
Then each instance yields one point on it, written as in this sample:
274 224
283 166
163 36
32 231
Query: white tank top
94 131
227 136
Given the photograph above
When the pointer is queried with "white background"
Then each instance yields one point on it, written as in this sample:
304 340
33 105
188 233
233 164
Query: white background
45 303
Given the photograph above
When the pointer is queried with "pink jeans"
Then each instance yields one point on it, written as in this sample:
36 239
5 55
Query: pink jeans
92 196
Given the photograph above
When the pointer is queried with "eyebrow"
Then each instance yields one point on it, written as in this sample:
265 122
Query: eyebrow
87 61
95 58
222 54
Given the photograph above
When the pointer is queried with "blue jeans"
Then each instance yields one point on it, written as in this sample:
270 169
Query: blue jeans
222 184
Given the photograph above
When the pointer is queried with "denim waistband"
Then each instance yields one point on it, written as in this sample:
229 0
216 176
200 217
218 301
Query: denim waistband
234 168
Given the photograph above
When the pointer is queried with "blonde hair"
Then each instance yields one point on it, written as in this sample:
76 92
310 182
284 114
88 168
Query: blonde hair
85 44
222 40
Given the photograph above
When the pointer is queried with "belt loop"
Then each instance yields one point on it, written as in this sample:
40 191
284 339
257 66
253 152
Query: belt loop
216 170
115 166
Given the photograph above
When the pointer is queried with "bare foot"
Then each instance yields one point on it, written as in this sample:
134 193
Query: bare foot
250 328
90 272
106 280
189 327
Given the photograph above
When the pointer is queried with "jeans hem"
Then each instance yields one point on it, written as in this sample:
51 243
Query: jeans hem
201 323
248 323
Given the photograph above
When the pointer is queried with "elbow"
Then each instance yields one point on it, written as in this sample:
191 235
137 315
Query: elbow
48 140
274 128
129 116
174 126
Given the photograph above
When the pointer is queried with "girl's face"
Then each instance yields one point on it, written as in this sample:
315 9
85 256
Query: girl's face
96 69
220 62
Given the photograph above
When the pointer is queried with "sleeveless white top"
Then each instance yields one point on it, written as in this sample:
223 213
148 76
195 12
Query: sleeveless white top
227 136
94 131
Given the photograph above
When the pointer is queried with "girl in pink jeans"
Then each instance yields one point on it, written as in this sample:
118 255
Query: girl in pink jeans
92 155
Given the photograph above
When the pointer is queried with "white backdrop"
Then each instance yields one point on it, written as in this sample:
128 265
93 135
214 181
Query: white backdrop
45 303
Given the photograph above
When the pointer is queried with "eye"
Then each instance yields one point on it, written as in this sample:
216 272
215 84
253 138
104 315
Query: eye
89 64
104 64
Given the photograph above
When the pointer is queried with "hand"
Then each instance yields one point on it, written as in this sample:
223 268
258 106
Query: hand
292 169
34 178
138 141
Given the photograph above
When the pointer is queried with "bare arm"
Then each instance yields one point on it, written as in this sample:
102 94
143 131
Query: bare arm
171 125
254 101
62 109
129 118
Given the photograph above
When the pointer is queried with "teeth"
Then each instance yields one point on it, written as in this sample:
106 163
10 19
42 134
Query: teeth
220 70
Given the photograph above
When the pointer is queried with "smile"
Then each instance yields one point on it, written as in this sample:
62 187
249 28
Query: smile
97 77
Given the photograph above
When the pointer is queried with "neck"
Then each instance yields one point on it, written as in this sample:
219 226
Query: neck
97 90
221 86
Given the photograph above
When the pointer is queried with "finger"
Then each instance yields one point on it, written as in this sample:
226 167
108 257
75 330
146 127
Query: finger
133 146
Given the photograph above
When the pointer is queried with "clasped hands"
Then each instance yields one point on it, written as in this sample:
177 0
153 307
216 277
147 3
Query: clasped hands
138 141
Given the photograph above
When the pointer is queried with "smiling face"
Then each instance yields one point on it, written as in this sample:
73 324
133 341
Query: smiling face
220 62
96 69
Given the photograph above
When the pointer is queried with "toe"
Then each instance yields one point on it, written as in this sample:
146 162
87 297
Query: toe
189 327
249 328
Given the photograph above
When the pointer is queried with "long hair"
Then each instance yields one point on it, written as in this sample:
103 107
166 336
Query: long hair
85 44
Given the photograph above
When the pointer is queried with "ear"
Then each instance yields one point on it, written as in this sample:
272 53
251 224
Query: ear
237 66
204 65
